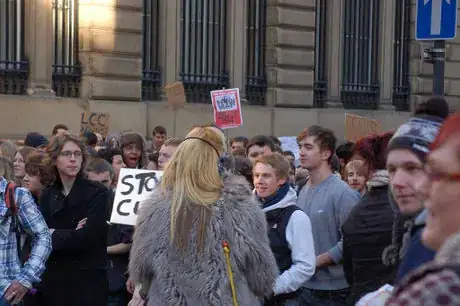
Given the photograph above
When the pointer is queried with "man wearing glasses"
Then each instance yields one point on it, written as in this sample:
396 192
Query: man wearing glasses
76 211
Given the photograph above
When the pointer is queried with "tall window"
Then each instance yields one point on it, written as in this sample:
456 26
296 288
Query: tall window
320 86
66 65
14 68
360 64
401 45
203 48
256 78
151 80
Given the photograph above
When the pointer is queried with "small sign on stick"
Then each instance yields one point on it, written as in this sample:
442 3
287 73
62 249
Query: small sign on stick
227 108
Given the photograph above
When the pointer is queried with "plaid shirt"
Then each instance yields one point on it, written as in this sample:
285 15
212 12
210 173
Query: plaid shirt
32 222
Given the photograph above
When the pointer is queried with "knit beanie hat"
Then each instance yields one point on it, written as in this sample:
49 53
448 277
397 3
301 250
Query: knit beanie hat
35 140
420 131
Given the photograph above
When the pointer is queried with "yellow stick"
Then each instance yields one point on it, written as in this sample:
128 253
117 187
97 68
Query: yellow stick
230 272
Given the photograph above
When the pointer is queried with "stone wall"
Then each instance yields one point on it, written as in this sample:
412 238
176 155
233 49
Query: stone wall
21 115
110 49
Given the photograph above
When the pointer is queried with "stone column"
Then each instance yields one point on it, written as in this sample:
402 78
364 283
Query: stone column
290 52
39 46
237 45
110 35
387 53
335 56
170 28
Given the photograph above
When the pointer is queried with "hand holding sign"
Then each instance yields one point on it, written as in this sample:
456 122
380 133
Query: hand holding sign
134 187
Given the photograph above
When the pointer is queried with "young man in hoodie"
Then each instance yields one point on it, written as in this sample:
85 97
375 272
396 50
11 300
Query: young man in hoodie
406 168
290 233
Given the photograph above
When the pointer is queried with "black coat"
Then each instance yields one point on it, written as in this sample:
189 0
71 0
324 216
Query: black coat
76 269
366 233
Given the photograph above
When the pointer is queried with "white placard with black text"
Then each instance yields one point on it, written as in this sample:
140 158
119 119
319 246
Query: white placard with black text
133 188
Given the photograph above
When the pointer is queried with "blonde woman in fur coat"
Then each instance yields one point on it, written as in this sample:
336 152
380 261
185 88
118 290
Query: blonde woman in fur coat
177 253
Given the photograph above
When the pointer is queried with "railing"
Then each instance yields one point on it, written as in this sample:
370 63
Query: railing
256 31
203 48
14 68
66 65
401 47
320 85
151 78
360 61
332 102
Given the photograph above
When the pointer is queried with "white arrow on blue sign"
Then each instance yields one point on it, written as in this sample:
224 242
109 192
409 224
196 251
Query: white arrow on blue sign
436 20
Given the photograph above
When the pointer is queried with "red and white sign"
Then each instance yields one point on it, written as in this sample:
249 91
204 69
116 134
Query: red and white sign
227 108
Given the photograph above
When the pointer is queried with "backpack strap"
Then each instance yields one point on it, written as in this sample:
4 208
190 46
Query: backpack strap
10 201
10 192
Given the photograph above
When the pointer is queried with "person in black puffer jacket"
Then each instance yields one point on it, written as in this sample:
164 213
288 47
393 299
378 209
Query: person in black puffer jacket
368 229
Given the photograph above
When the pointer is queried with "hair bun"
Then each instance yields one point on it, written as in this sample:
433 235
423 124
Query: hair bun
435 106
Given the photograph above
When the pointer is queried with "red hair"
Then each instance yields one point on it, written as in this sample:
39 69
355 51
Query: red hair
373 149
450 126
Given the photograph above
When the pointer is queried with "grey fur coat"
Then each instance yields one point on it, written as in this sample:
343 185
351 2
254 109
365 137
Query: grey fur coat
198 279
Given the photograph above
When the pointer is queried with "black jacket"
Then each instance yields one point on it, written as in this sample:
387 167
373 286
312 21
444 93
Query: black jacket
366 233
76 269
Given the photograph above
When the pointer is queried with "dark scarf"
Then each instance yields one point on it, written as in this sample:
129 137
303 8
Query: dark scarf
276 197
402 226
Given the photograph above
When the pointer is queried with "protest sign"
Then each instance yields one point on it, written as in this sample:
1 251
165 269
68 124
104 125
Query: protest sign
134 187
227 108
358 126
95 122
289 143
175 94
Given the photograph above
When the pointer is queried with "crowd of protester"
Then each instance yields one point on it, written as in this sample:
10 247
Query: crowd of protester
236 222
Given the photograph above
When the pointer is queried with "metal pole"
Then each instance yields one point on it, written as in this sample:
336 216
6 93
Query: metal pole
439 51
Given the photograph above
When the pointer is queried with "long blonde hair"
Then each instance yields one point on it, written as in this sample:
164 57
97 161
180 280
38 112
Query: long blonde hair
6 169
8 149
192 175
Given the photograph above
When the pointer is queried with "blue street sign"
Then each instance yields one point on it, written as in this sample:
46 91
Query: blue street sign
436 20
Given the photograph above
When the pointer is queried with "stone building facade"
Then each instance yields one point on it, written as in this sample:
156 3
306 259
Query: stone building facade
296 62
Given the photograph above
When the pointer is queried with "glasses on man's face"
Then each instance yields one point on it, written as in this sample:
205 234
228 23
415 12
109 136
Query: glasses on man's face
68 154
